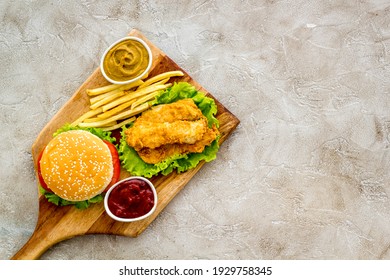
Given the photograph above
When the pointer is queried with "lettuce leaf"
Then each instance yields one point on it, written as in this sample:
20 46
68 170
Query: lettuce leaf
136 166
104 135
52 197
55 199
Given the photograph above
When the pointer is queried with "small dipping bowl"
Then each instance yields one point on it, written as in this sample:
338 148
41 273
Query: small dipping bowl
131 199
126 61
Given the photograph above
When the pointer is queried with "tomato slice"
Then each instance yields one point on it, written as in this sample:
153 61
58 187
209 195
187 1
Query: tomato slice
40 178
116 163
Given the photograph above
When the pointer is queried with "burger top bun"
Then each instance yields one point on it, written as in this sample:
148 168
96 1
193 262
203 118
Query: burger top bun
77 165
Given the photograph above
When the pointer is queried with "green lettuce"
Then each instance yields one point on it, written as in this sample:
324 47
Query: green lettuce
136 166
104 135
52 197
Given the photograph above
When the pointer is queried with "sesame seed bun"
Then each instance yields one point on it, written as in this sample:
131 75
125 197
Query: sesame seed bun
77 165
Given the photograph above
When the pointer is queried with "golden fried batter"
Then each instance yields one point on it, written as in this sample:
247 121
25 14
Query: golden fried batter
182 110
155 134
169 129
158 154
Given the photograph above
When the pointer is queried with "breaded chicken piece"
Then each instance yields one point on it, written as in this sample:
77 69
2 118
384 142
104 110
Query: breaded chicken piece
155 134
182 110
169 129
156 155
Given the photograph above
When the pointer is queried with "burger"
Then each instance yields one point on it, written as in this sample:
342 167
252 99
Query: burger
77 167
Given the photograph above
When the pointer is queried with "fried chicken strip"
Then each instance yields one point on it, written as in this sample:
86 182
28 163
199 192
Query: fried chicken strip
154 134
169 129
156 155
182 110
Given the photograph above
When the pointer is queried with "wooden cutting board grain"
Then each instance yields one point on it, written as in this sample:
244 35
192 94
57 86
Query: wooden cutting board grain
60 223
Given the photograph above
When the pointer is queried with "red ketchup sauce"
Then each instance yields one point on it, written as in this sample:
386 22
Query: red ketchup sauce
131 199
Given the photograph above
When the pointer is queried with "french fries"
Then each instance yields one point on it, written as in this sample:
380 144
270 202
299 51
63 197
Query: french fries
136 94
144 99
105 98
160 77
114 106
120 116
87 115
97 91
119 125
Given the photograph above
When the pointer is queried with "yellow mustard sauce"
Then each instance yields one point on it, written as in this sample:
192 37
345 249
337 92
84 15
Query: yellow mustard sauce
126 60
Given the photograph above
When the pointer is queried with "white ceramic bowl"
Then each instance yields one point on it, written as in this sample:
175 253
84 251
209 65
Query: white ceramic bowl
120 219
136 78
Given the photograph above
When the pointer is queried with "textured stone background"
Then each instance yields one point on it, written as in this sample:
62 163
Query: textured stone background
304 176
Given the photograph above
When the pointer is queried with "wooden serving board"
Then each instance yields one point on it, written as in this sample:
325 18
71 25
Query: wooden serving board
59 223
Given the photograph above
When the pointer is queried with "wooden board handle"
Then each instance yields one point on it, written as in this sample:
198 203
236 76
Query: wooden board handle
34 248
53 226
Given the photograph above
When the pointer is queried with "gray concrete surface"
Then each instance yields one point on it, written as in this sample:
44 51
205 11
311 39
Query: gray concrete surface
304 176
